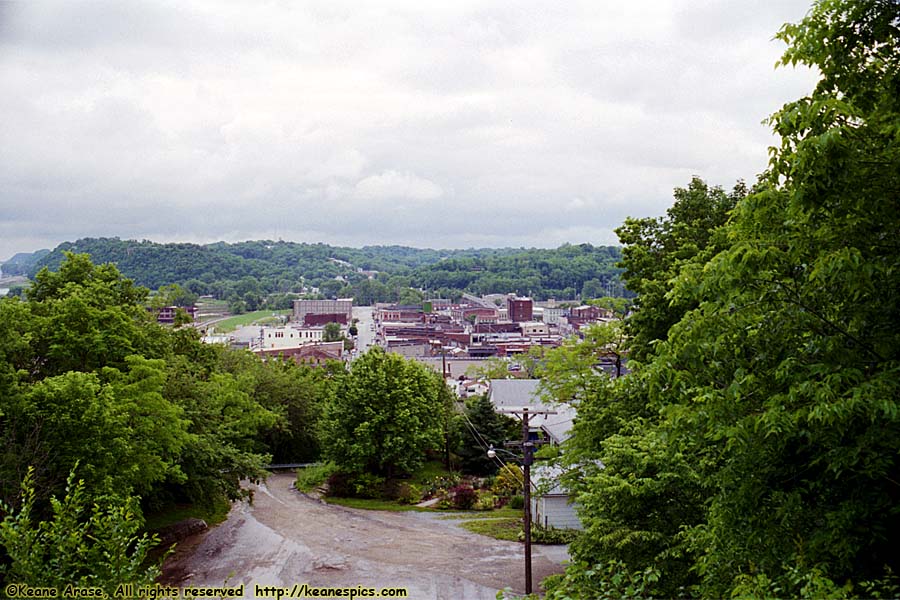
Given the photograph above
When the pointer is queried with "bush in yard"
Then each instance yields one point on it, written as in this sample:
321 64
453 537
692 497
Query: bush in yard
409 494
550 535
367 485
509 481
438 486
517 501
486 501
463 497
340 485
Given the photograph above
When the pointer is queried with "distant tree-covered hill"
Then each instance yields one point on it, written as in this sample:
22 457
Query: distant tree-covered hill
266 267
22 262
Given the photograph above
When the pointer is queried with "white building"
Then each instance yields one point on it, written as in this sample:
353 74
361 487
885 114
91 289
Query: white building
550 506
534 328
552 315
289 336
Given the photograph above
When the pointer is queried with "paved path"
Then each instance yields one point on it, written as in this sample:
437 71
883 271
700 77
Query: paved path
287 538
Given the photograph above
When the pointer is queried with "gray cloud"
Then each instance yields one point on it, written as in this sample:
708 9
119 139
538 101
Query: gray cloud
433 124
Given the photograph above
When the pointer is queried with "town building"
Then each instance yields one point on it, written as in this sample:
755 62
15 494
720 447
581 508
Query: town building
534 329
520 309
395 313
315 354
588 312
166 314
288 336
316 319
319 307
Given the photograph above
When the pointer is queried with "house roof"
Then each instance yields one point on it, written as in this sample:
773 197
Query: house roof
514 394
547 479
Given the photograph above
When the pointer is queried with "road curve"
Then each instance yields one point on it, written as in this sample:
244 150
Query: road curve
287 538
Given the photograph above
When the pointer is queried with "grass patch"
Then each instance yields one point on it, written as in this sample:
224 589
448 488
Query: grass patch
499 513
373 504
213 515
258 317
309 478
506 529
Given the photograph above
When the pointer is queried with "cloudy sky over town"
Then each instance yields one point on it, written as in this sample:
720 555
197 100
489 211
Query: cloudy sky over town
432 124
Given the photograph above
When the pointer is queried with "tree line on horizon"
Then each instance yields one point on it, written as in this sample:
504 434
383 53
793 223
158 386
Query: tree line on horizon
267 274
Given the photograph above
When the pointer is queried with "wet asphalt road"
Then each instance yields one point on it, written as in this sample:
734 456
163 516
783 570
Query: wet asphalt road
286 538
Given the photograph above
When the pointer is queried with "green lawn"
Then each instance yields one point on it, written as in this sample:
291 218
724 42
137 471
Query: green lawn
371 504
502 529
499 513
259 317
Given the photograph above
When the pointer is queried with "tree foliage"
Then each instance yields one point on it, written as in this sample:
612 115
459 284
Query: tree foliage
754 449
88 378
478 428
256 274
79 546
657 248
385 414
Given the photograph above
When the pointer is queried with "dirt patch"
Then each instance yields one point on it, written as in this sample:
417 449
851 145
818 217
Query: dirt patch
288 538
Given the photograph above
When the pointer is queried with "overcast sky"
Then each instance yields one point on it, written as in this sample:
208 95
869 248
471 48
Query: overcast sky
440 124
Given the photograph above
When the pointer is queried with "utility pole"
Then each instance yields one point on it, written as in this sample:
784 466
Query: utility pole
527 461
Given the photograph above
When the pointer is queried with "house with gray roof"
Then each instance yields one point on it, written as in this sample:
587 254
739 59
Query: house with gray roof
514 394
550 505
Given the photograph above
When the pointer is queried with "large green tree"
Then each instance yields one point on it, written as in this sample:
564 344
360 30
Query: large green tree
385 414
797 397
477 428
760 451
87 376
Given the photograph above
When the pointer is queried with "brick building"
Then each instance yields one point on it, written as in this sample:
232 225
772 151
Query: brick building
520 309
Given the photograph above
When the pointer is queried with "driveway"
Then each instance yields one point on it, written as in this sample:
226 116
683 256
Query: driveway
286 538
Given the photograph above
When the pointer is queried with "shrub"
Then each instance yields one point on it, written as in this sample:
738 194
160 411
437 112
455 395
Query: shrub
85 544
438 486
602 580
391 489
361 485
486 502
340 485
367 485
550 535
409 494
463 497
508 481
517 501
